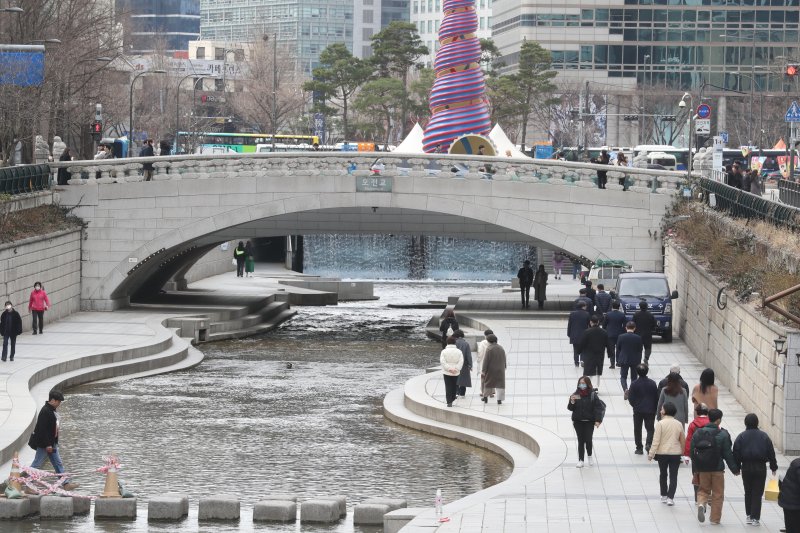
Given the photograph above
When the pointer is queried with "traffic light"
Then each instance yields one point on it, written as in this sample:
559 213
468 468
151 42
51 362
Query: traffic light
668 118
630 118
792 70
96 129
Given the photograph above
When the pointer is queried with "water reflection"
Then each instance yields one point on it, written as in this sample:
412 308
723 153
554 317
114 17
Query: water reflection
243 423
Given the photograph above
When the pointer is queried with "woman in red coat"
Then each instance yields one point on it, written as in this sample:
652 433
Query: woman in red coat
37 305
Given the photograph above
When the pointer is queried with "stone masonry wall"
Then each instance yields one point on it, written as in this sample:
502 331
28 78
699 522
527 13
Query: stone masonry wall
736 342
54 260
216 261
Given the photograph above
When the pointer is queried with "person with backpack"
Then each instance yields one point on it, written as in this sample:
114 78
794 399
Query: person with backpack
751 450
668 443
588 411
448 326
700 420
710 451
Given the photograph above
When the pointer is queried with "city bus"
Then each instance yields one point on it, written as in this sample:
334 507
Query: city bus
190 142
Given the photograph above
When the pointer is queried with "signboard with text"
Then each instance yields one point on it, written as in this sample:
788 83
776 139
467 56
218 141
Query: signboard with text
374 184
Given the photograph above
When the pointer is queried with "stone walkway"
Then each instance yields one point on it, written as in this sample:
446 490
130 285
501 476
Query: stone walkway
621 492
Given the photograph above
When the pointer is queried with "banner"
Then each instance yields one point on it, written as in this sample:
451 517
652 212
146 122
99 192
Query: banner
21 68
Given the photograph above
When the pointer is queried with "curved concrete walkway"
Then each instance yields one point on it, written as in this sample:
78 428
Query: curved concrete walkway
620 493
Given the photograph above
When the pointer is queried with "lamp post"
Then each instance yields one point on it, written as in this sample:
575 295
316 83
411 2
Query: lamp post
178 97
68 119
682 104
274 86
130 116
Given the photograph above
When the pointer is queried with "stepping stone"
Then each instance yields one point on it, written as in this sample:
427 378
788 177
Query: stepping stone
183 497
14 509
221 507
165 508
55 507
341 500
115 508
81 505
320 510
393 503
369 513
275 511
279 496
35 500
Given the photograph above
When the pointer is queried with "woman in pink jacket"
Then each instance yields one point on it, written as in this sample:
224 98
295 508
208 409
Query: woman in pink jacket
37 305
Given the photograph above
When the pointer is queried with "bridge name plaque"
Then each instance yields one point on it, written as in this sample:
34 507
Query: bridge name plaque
374 184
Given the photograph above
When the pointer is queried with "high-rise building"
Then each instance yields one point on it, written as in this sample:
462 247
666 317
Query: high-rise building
645 47
427 15
158 25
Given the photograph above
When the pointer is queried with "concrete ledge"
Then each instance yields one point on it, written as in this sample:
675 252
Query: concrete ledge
394 521
275 511
325 511
115 508
393 503
55 507
165 508
369 513
221 507
184 498
14 509
81 505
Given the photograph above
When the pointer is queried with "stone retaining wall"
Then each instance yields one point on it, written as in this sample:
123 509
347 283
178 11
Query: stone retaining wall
216 261
54 260
737 342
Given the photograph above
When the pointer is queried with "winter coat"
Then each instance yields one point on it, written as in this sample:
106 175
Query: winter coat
681 402
645 324
15 323
753 446
586 408
464 379
588 301
452 360
789 496
643 395
723 439
494 367
603 302
663 383
697 423
525 276
248 249
64 175
668 438
614 323
239 254
482 346
449 322
629 349
592 346
577 324
38 301
46 431
709 397
147 151
540 286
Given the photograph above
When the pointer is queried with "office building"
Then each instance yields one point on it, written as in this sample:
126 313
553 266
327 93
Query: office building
427 15
158 25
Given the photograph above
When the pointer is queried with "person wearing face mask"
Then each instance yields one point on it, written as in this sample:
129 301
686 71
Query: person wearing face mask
10 327
588 411
37 305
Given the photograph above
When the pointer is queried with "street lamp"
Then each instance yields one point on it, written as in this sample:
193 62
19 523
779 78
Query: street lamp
130 117
274 85
178 96
682 105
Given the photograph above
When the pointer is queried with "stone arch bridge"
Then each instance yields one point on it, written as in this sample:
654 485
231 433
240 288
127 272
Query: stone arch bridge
140 234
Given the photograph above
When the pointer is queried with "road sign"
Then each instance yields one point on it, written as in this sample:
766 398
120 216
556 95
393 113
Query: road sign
703 111
793 113
724 136
719 145
702 126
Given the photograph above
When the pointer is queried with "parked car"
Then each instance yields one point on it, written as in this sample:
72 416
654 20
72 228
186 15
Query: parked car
650 287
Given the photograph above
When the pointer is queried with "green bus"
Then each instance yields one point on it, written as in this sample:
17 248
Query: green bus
214 142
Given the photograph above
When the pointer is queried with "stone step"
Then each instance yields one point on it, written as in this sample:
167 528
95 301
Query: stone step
264 327
247 321
193 358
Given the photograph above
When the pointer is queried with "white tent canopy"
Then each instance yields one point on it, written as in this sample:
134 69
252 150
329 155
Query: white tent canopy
502 143
412 144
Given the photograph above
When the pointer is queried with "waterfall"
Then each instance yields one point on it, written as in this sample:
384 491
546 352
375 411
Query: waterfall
413 257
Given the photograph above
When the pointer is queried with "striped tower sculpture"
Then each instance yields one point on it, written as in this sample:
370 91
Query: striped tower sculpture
458 97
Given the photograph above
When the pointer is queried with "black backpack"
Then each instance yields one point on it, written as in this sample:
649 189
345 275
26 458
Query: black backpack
601 404
706 453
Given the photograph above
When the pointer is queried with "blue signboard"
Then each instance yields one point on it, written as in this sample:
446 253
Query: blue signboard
793 113
543 151
319 126
703 111
21 68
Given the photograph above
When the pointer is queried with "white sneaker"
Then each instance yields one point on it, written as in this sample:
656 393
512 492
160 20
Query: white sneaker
670 502
591 461
755 522
663 499
749 520
579 464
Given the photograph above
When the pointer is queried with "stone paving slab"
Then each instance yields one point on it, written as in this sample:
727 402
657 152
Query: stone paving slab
620 493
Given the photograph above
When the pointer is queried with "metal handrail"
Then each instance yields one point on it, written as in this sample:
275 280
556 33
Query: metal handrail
24 179
742 204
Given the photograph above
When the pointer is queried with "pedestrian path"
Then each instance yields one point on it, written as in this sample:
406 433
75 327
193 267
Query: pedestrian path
619 493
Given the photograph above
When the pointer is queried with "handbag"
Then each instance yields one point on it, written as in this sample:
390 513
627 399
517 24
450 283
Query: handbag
771 491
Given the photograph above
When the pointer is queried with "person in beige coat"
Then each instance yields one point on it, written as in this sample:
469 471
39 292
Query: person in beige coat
493 371
452 360
482 346
667 448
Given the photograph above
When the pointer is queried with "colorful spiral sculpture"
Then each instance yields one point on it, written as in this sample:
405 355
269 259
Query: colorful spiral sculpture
458 97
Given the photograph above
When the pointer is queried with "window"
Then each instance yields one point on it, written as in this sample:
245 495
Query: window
482 23
430 26
368 16
219 84
201 52
416 7
219 54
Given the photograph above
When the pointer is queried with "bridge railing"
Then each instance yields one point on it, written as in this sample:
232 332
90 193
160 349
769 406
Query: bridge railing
363 164
743 204
22 179
789 192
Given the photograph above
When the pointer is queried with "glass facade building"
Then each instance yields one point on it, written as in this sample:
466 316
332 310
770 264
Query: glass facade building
150 25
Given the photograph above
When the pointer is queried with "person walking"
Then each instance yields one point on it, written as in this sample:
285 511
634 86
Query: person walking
448 326
789 497
705 391
38 303
588 411
452 360
540 286
645 324
464 377
756 187
674 369
710 450
629 355
668 444
44 438
751 450
578 323
558 265
643 397
602 175
249 262
147 151
10 327
582 297
673 392
482 346
493 371
614 323
602 300
64 174
621 161
592 346
591 294
525 276
700 421
240 256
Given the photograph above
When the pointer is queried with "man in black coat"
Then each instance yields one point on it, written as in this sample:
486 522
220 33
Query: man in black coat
10 327
602 300
577 324
525 276
147 151
590 292
643 397
44 438
614 324
588 302
629 355
592 345
645 324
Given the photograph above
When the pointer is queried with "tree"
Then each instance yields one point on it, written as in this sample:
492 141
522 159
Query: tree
533 78
395 49
504 97
383 98
419 93
336 80
491 60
